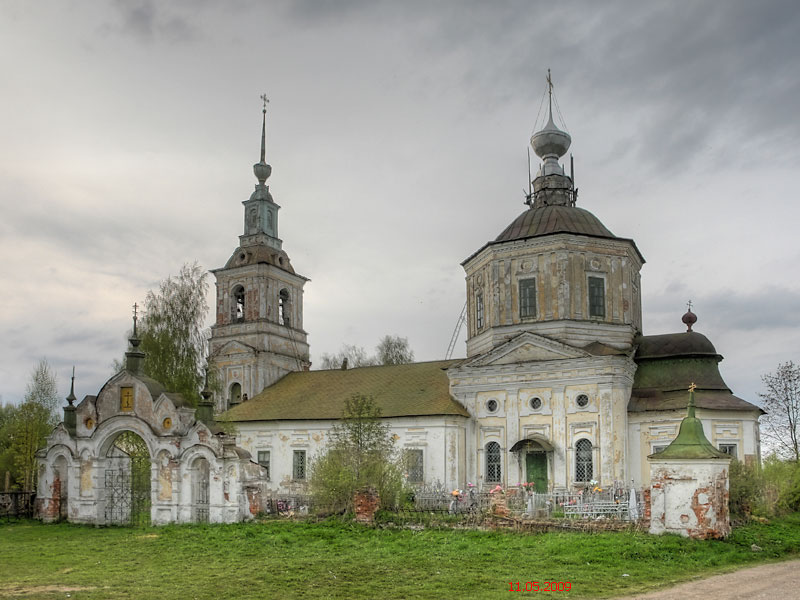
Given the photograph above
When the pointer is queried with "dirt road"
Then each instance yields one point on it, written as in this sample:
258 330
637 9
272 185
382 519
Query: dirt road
776 581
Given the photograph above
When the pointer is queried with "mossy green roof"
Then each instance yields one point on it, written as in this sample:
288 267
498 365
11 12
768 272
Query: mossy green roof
691 441
416 389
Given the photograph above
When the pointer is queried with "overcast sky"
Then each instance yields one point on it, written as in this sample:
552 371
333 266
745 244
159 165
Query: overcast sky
397 132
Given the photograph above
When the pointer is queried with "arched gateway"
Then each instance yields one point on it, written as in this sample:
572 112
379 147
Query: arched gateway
138 454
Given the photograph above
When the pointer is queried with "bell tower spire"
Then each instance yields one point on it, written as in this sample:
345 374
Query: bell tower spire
258 336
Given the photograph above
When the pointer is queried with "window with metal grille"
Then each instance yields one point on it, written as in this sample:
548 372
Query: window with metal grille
494 469
263 460
597 297
299 465
728 449
583 460
479 310
414 465
527 298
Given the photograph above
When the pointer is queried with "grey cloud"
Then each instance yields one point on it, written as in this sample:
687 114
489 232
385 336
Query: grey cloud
774 308
148 20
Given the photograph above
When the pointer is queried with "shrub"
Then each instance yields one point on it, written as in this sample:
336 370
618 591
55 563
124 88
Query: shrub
360 454
746 490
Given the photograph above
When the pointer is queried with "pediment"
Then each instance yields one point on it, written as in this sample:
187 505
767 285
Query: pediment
234 347
528 347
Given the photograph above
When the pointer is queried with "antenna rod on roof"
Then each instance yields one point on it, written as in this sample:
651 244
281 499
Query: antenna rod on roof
529 195
572 169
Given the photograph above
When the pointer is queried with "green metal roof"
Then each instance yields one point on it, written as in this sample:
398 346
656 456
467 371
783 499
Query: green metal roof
691 441
416 389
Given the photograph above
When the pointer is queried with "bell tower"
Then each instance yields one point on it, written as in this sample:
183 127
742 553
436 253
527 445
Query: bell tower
258 336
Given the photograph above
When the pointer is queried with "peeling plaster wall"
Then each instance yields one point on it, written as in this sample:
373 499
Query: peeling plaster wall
561 264
79 463
690 498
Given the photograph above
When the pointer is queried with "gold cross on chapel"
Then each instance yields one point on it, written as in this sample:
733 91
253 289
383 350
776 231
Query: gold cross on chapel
692 387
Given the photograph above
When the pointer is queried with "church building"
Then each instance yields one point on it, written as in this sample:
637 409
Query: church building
559 386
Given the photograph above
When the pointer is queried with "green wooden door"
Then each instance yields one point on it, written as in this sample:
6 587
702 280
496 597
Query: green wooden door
536 470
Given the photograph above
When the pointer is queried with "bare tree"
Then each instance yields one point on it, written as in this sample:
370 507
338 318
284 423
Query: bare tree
356 356
394 350
781 424
391 350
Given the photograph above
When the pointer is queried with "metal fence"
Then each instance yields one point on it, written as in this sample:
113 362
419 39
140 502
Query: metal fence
16 505
616 503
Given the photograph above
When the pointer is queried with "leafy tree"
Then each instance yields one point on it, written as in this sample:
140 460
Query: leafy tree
391 350
781 424
25 428
360 454
172 332
394 350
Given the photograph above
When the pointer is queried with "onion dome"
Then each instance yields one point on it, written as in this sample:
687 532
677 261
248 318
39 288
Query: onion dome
689 318
550 141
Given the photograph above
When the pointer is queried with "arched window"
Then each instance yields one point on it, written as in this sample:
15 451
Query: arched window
283 307
238 304
494 469
583 460
236 394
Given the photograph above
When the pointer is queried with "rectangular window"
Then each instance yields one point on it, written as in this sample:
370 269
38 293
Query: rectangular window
597 297
299 465
414 466
527 298
728 449
263 460
479 311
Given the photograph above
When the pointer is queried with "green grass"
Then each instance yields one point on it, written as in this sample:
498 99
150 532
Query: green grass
279 559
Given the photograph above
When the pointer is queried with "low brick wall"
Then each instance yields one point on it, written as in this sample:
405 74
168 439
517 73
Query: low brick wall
365 505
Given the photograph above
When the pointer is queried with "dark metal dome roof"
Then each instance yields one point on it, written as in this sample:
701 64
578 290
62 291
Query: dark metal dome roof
554 219
688 343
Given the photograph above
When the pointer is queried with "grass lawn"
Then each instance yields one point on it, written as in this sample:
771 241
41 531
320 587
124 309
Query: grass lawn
281 559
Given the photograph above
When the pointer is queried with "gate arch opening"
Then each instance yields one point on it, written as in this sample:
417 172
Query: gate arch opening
127 482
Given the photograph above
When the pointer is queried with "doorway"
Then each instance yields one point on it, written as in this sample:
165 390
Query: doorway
536 470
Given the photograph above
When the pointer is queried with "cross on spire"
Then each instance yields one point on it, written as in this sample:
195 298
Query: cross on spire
689 305
265 100
135 317
550 93
692 387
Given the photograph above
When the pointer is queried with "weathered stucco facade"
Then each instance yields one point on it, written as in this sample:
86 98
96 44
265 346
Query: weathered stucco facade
135 451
